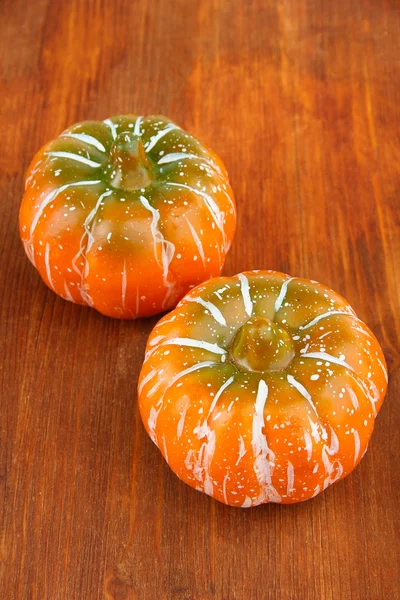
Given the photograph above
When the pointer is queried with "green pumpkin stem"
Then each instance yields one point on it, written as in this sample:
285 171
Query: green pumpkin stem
262 345
128 167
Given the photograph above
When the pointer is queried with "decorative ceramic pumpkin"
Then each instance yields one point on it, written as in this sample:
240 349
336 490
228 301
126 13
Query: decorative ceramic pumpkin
261 388
126 214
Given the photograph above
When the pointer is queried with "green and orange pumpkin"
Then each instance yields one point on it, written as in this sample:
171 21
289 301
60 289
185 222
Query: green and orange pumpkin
261 388
127 214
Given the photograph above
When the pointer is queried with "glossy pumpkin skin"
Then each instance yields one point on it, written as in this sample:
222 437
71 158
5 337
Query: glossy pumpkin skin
127 214
261 388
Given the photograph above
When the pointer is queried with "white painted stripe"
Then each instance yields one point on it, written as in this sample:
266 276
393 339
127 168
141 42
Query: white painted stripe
357 327
259 439
375 393
247 502
33 172
155 340
68 293
282 294
146 379
197 367
197 241
215 312
112 127
74 157
356 445
219 393
158 136
309 444
85 246
170 319
209 202
181 422
242 450
156 386
245 289
230 200
327 358
261 398
202 429
84 288
316 491
152 422
314 430
136 129
192 343
176 156
264 458
364 390
167 248
165 447
47 263
327 466
326 315
300 388
383 368
92 215
290 478
353 398
321 337
88 139
334 445
226 477
30 251
53 195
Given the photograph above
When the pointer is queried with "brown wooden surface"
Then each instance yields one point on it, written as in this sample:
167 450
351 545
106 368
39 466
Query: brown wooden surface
301 99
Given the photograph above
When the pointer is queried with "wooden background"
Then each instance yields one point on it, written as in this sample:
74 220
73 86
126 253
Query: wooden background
301 99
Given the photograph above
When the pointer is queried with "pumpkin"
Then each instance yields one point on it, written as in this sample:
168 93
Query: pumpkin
127 214
261 388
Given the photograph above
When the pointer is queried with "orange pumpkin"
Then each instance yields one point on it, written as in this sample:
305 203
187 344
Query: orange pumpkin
261 388
127 214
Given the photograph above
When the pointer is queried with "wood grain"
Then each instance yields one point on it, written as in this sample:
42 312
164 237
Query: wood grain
301 100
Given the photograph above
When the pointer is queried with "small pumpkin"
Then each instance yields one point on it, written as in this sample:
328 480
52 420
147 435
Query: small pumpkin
127 214
261 388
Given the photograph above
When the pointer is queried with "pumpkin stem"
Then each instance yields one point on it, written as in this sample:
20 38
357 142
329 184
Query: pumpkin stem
128 167
262 345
